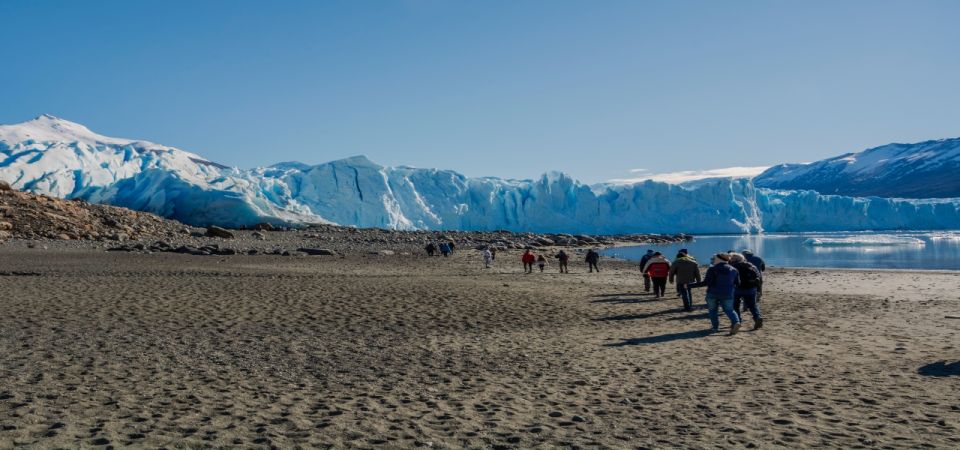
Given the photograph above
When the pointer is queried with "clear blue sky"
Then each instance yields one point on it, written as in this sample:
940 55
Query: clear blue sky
510 88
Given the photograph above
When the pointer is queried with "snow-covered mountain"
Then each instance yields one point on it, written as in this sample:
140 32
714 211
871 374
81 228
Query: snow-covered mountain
64 159
923 170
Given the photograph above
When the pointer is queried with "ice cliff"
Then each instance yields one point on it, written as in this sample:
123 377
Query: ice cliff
59 158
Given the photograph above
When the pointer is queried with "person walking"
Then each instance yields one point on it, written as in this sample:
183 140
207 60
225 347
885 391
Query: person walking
721 280
685 270
541 262
643 263
487 258
444 249
493 253
528 258
564 258
761 265
657 269
431 249
592 259
746 291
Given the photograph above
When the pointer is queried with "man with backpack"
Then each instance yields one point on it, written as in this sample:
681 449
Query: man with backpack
643 264
746 292
564 259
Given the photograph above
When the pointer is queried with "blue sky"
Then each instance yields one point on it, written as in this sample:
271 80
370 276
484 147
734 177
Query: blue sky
511 88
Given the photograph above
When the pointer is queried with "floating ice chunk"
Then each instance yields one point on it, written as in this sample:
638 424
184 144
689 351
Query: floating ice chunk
881 240
946 236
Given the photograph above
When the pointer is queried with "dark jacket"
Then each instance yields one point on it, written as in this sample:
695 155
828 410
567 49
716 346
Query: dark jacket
592 257
757 262
563 256
721 280
685 270
643 262
749 275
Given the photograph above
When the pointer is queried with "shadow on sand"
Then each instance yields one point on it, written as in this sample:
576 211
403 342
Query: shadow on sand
639 316
662 338
940 369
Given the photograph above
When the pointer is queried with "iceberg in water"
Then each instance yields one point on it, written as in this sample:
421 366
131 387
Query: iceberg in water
881 240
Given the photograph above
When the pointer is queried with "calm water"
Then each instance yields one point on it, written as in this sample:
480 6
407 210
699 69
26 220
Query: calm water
907 250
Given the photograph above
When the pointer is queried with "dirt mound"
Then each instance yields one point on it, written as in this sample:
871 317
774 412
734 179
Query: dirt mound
29 216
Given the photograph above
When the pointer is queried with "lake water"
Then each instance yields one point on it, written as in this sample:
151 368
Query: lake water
936 250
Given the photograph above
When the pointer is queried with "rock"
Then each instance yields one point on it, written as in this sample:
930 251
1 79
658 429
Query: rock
215 231
263 227
578 419
64 237
5 235
120 237
4 186
317 251
259 236
386 252
6 226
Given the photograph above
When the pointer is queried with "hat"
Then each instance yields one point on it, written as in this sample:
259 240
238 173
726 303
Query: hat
747 252
684 251
650 251
723 256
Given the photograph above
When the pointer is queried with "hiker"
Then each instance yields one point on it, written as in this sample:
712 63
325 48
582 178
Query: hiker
563 257
685 270
761 265
451 246
721 280
592 259
657 268
528 260
493 253
487 258
444 249
643 264
541 262
746 291
431 249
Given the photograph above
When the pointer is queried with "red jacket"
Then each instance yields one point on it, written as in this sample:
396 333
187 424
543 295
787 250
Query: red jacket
528 258
658 270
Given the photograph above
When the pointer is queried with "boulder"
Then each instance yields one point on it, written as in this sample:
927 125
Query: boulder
6 226
263 227
4 186
215 231
259 236
317 251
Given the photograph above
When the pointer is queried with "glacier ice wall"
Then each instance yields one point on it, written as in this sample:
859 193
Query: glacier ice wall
59 158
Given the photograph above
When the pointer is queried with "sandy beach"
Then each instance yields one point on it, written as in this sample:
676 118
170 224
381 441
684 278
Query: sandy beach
386 351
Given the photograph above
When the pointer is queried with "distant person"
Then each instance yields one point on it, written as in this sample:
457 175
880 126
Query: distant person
528 259
685 270
643 263
657 269
721 280
761 265
444 249
592 259
487 258
746 291
431 249
452 246
564 258
541 262
493 253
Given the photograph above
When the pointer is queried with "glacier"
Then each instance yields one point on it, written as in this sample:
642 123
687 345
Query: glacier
60 158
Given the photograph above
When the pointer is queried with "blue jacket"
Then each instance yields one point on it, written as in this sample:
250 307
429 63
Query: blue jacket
720 281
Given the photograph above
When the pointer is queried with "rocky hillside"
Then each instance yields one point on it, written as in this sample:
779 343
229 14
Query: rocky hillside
28 216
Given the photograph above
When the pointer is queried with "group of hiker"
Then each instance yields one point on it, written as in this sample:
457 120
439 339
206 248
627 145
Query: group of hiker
528 258
444 249
734 283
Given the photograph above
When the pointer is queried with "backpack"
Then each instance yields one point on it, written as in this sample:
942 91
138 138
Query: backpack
749 275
